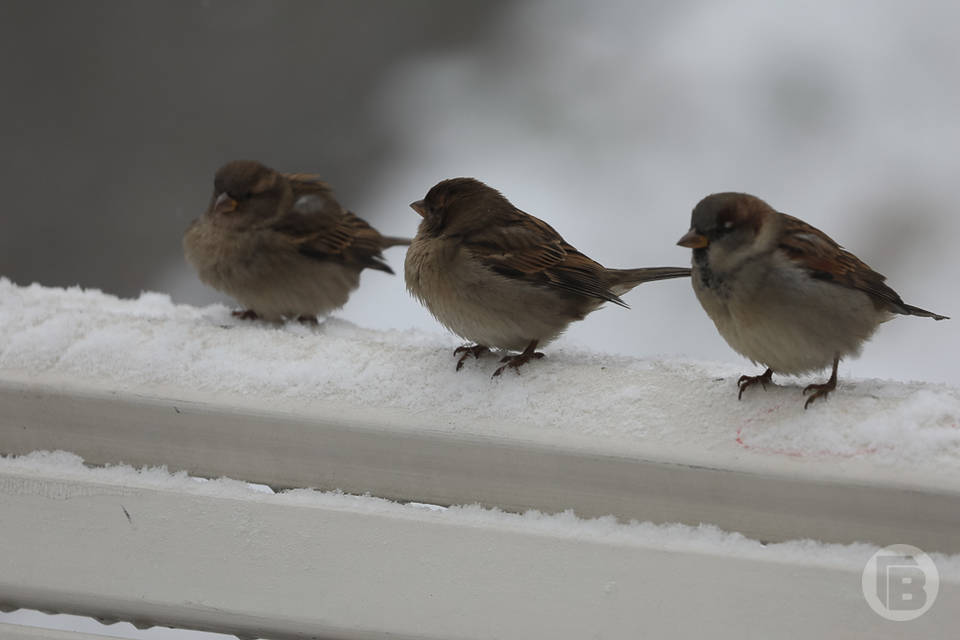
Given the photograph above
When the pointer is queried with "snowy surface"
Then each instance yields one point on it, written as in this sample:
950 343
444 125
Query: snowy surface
630 403
626 403
671 537
64 468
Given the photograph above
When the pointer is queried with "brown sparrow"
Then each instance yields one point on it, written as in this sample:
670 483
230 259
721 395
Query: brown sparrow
782 292
500 277
280 244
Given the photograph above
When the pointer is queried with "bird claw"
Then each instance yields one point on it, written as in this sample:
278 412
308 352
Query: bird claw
475 350
515 362
748 381
819 391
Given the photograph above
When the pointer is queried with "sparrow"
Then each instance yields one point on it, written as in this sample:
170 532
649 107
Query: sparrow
783 293
503 279
280 244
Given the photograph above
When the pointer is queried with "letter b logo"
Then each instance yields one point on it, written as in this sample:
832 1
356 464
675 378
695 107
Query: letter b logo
900 582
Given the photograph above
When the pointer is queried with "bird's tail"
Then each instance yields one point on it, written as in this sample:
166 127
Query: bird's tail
917 311
394 241
624 280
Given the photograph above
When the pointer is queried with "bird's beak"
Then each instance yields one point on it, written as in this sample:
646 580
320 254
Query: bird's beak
224 204
419 207
693 240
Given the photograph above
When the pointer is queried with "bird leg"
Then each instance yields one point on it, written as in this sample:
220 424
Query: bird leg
246 314
749 381
821 390
514 362
476 351
308 320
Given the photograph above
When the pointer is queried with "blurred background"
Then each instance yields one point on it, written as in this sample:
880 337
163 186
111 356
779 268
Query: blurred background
608 119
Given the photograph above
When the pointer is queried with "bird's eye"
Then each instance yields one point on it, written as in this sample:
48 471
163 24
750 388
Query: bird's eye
723 228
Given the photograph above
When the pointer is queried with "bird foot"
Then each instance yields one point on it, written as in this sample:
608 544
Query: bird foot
515 362
763 379
308 320
475 350
245 314
819 391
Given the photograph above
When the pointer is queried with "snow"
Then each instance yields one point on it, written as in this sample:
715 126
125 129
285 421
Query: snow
613 402
152 342
596 399
704 539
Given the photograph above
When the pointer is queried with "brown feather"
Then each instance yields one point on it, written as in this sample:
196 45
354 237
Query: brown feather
527 248
306 182
826 260
323 230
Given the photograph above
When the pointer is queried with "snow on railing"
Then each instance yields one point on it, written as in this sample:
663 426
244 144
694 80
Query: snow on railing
337 407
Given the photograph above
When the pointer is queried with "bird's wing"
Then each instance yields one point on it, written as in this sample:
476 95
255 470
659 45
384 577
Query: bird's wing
817 252
524 247
321 229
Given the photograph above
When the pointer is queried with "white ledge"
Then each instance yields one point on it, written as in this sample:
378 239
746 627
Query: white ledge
19 632
148 383
159 549
390 454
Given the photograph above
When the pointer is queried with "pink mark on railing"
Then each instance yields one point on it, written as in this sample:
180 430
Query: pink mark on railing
795 453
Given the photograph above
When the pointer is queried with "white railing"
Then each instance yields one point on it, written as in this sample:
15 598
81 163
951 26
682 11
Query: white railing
20 632
154 548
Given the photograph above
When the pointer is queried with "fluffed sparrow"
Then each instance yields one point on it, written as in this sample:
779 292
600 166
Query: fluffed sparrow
281 244
502 278
783 293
